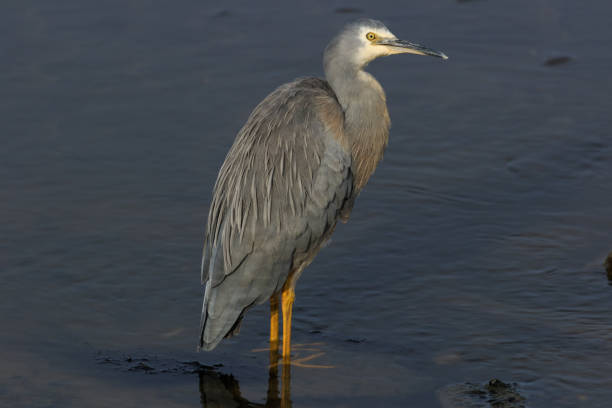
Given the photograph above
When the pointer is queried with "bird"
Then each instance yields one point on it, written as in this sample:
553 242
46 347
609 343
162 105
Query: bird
294 170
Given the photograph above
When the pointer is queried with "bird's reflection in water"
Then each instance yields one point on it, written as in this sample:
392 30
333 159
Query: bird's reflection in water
223 391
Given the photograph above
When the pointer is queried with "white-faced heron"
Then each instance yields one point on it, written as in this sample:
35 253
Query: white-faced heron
295 169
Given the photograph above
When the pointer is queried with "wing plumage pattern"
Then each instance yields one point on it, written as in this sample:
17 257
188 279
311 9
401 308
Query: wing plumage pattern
284 183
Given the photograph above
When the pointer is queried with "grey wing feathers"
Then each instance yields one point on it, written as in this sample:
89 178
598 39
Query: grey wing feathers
278 195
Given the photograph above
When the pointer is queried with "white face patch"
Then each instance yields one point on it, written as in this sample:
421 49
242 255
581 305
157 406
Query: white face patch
368 50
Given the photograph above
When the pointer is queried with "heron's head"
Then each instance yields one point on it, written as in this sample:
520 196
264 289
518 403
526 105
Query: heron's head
364 40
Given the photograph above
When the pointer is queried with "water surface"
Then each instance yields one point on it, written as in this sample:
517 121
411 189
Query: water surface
475 252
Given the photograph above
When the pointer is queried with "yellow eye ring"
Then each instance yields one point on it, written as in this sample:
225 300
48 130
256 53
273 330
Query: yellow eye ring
371 36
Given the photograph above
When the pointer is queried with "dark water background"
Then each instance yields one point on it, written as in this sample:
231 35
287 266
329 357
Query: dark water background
474 252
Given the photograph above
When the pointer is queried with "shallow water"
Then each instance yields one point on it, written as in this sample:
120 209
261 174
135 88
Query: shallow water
475 252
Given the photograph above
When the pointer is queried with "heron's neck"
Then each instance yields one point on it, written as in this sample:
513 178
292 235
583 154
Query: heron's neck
366 120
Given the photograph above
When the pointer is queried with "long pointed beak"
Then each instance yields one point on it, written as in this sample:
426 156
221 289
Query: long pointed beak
401 46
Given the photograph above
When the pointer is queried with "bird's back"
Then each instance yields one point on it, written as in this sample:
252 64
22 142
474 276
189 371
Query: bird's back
284 183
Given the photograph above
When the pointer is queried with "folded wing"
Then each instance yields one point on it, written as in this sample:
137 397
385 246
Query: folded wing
284 184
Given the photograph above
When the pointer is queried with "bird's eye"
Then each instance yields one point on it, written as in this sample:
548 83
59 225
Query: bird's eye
371 36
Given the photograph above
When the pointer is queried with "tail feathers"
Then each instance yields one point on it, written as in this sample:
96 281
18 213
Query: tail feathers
215 326
227 297
203 319
211 332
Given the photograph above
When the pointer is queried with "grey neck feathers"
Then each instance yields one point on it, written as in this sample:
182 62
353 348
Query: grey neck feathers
366 120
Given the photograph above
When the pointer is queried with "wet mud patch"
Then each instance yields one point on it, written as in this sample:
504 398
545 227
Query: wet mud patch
558 60
493 394
155 365
348 10
355 341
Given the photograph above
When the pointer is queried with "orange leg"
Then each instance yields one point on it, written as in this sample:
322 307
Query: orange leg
274 301
274 322
287 304
273 397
